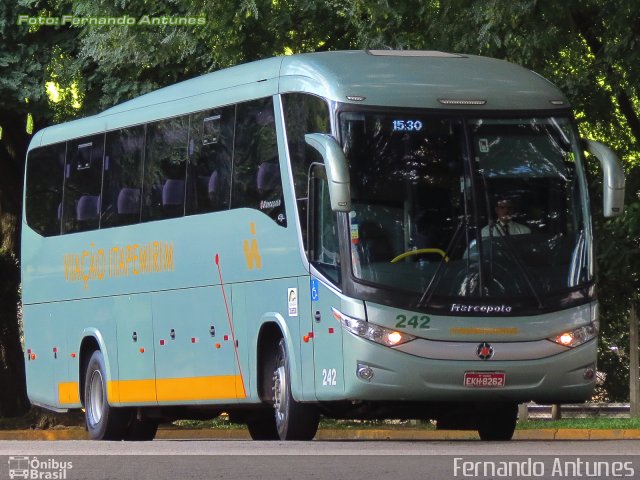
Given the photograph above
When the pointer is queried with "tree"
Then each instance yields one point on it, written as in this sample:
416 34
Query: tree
29 58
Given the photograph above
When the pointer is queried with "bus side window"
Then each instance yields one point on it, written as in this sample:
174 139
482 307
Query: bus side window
210 153
303 113
122 180
45 177
324 245
165 168
82 184
256 169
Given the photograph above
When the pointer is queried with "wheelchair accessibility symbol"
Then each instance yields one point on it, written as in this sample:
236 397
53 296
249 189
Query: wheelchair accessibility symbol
315 294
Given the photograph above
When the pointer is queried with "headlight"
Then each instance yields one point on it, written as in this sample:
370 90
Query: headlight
578 336
370 331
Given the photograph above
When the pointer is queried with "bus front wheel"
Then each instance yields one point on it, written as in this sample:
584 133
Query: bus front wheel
499 423
104 422
294 420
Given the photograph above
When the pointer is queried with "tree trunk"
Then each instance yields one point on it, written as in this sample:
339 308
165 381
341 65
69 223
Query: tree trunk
634 361
13 147
13 394
13 150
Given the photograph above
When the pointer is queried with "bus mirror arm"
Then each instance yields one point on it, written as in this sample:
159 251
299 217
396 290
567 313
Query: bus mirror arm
336 167
613 182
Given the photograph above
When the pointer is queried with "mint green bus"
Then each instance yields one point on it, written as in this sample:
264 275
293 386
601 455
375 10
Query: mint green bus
361 234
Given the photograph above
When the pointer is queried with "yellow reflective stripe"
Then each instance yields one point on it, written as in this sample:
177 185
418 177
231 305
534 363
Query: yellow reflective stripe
131 391
199 388
221 387
68 393
484 331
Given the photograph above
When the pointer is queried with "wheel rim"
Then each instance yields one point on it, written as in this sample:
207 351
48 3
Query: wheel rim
96 398
280 394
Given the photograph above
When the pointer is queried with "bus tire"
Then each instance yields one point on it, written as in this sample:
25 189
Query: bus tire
294 420
262 425
103 421
141 430
498 424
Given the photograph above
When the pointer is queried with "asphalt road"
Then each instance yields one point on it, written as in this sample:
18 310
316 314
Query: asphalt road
319 460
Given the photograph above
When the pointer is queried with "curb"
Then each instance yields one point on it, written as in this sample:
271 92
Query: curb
335 435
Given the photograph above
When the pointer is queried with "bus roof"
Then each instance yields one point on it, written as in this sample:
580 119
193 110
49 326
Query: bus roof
413 79
423 79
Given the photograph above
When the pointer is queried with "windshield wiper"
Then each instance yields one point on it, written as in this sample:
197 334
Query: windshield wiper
516 259
508 241
437 276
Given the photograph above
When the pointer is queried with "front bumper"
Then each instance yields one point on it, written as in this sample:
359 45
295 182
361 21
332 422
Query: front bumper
401 376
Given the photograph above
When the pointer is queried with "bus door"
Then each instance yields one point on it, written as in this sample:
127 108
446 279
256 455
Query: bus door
324 256
41 368
136 384
195 352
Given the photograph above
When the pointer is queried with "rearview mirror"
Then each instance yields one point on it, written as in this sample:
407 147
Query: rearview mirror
613 181
336 167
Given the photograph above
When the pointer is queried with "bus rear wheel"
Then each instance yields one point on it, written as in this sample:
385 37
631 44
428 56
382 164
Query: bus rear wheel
141 430
104 422
499 423
294 420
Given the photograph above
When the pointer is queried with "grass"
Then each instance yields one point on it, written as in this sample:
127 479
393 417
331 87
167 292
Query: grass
46 420
222 422
38 418
583 423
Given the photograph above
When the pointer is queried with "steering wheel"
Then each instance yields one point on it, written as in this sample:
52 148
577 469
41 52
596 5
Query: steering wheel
420 251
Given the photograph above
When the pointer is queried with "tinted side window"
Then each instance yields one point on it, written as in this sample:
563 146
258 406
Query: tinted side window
45 173
256 169
325 253
303 114
165 168
210 154
122 183
82 185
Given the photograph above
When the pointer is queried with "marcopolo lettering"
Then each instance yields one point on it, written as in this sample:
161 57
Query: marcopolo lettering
266 204
483 309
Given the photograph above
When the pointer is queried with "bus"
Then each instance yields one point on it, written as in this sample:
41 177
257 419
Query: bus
355 234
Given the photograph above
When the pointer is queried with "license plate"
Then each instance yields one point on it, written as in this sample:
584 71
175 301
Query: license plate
484 379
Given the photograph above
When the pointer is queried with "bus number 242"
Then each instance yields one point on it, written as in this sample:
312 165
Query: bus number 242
329 376
415 321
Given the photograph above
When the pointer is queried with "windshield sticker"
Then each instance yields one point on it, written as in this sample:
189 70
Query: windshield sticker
483 145
355 231
355 234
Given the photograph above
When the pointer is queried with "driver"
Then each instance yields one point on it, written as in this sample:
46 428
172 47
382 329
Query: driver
505 212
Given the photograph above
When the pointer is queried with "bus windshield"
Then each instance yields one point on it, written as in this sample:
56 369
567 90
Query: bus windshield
466 207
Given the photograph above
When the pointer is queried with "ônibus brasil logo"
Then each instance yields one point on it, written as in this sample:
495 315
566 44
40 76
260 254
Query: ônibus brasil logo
35 469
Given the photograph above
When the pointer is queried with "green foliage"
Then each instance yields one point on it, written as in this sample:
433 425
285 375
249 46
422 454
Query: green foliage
619 275
583 423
